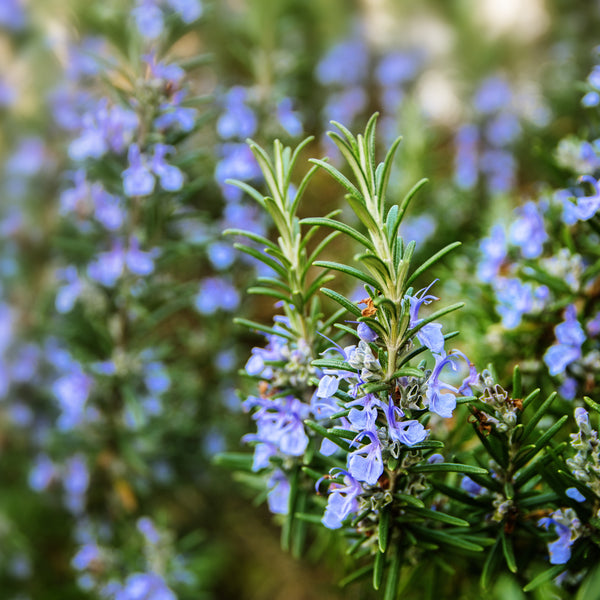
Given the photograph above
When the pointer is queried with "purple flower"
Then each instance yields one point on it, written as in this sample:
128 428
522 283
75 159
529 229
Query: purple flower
148 18
500 167
288 118
365 333
171 178
280 423
238 119
503 129
67 294
108 266
591 99
216 293
12 14
345 64
514 299
164 73
148 530
528 231
493 95
584 207
396 68
279 493
42 473
237 162
86 555
465 163
342 499
173 114
364 419
188 10
430 335
366 463
443 402
76 479
472 488
575 494
493 250
72 391
565 525
145 586
406 432
570 337
137 261
137 179
345 106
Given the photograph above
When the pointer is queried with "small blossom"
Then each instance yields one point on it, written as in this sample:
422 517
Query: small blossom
342 500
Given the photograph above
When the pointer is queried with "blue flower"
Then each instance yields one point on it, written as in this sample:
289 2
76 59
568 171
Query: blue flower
148 530
442 402
465 163
366 463
514 299
145 586
503 129
493 95
472 488
188 10
493 250
566 525
585 207
148 18
528 232
279 493
345 64
137 178
406 432
288 118
216 293
575 494
342 499
76 479
570 337
238 120
430 335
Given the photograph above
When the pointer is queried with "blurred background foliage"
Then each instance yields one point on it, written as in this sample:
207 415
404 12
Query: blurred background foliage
482 92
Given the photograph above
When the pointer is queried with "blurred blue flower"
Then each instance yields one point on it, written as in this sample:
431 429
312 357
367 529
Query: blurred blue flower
492 95
345 64
493 250
42 473
145 586
12 14
137 178
148 530
279 493
238 119
221 255
288 118
396 68
216 293
171 178
503 129
76 479
465 163
570 337
148 18
527 230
